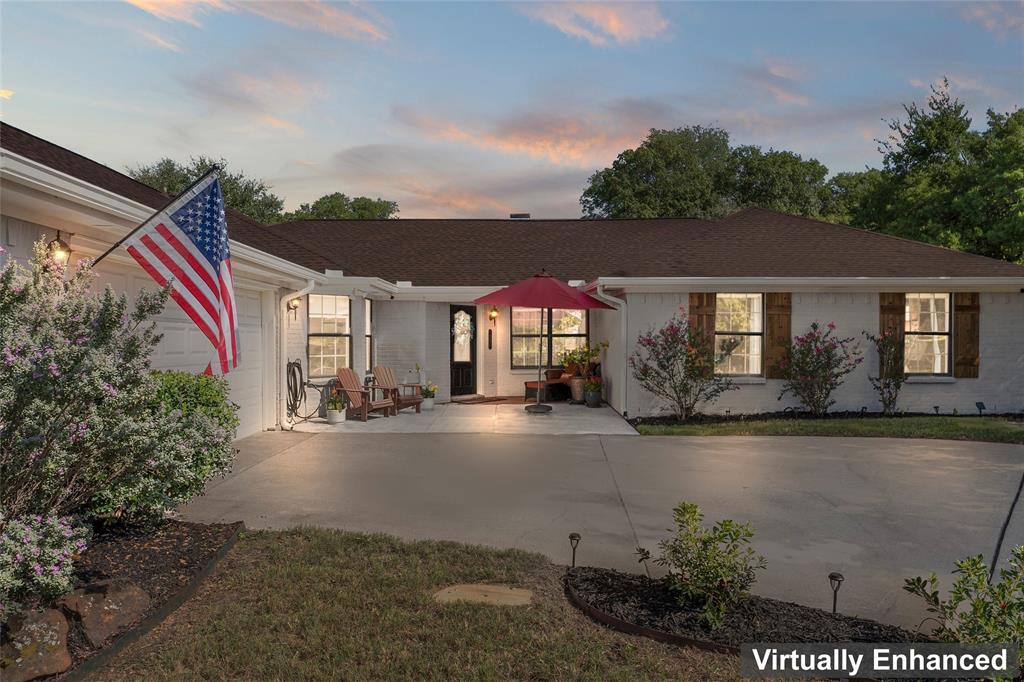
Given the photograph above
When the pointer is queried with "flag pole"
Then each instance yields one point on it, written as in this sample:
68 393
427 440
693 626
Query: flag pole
213 169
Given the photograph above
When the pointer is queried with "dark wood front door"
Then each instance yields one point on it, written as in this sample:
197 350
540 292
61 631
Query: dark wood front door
462 327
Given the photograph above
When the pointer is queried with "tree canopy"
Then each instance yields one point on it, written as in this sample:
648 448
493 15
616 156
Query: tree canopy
694 173
338 205
253 196
940 181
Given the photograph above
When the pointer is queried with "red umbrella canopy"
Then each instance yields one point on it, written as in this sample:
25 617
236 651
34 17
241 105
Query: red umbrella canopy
542 291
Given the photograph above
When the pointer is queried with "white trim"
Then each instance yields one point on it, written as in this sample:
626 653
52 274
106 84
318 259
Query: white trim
768 284
930 379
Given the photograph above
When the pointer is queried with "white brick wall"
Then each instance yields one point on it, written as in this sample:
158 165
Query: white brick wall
1000 384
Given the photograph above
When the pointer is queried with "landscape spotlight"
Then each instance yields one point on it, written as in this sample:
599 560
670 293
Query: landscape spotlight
574 541
835 579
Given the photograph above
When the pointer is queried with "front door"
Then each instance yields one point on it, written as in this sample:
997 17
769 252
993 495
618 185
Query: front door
463 330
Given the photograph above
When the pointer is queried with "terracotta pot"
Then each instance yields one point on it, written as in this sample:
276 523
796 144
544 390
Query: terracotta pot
576 387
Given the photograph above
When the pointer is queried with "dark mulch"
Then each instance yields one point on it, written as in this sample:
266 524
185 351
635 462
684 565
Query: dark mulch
161 559
668 420
651 603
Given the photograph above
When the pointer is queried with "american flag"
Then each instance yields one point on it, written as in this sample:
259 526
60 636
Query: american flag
186 244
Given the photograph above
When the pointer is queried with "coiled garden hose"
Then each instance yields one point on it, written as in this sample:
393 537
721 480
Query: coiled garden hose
296 393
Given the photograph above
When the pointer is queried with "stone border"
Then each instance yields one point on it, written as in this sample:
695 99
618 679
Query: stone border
155 618
616 623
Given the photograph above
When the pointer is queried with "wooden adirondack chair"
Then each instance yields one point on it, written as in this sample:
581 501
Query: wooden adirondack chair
403 395
360 399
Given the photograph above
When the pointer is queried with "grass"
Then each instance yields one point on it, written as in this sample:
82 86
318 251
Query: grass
991 429
315 604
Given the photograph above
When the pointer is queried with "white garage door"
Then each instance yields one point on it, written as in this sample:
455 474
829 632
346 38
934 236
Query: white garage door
184 347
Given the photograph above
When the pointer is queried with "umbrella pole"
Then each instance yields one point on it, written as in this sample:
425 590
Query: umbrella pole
538 408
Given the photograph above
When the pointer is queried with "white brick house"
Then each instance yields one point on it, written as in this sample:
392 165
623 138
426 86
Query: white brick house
360 293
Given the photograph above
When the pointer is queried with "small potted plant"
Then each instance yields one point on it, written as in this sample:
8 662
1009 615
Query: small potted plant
592 391
335 407
429 392
577 363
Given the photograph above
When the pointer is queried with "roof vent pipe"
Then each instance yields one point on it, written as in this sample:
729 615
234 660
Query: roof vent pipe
519 216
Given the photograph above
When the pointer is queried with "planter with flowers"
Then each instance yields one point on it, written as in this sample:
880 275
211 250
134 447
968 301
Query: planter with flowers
335 407
429 392
577 363
592 391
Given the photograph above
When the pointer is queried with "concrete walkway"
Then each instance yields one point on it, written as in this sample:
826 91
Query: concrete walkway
564 419
878 510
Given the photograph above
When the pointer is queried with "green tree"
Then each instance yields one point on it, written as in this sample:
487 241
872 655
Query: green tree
694 173
946 184
778 180
856 198
674 173
251 196
339 206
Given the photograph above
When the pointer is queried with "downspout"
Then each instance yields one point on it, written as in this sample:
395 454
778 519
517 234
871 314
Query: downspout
282 340
624 325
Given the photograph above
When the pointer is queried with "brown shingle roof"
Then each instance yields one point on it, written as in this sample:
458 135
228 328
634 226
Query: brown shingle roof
749 243
241 228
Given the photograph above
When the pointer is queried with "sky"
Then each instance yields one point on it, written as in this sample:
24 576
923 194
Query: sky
482 109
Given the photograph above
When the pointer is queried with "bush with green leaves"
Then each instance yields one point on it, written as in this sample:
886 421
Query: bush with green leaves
978 611
202 394
891 373
36 559
80 428
815 365
712 569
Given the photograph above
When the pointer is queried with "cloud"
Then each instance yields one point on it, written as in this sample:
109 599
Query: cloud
579 139
600 23
1001 18
159 41
280 124
267 98
961 84
305 15
6 94
779 79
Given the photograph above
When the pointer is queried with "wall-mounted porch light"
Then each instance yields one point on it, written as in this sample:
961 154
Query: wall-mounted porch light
293 306
59 250
492 314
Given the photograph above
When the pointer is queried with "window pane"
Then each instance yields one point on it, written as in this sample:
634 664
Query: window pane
527 320
564 343
926 354
746 359
462 337
927 313
368 353
327 354
738 313
328 314
368 314
524 351
568 321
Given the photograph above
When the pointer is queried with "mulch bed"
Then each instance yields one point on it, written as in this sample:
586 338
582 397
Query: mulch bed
160 559
651 603
796 414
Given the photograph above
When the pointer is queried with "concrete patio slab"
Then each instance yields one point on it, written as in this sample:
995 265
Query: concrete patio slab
564 419
877 510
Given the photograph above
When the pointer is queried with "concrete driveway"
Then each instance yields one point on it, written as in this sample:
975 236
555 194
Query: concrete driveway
878 510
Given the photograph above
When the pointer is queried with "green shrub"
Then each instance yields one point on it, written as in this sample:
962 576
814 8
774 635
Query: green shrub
36 559
712 569
977 611
197 394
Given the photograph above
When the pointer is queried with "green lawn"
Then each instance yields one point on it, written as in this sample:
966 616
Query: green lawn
317 604
993 429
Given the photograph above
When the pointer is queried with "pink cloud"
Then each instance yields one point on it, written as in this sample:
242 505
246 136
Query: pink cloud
304 15
159 41
779 79
598 23
1001 18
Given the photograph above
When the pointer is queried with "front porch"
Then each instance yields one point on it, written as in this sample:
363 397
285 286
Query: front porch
506 418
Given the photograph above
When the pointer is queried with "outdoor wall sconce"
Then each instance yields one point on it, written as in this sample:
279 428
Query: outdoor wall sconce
492 314
59 250
835 579
293 306
574 541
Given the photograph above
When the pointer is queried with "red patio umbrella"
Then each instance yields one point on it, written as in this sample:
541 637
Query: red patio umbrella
541 291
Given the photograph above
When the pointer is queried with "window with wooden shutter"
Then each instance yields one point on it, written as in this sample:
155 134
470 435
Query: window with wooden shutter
778 331
892 313
966 335
702 316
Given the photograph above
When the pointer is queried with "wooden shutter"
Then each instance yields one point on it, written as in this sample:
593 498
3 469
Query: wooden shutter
702 316
892 316
966 335
777 331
